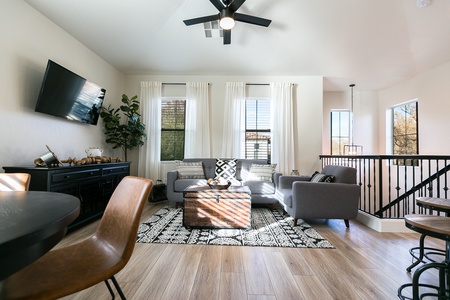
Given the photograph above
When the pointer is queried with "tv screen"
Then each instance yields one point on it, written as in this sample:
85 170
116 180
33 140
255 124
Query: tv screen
67 95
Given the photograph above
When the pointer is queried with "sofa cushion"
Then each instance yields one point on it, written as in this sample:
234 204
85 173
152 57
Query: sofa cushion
319 177
262 172
192 170
226 168
181 184
260 186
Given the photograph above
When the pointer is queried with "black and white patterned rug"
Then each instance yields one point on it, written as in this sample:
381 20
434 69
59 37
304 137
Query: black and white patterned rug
269 227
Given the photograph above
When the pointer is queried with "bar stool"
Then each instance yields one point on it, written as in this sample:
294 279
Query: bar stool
436 204
437 227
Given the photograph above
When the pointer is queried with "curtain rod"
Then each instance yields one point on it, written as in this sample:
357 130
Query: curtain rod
176 83
173 83
262 84
183 83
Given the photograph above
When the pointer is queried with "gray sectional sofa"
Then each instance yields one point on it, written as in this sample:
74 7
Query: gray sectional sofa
302 197
262 191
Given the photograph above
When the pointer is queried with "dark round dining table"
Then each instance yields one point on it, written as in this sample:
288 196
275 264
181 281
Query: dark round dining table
31 223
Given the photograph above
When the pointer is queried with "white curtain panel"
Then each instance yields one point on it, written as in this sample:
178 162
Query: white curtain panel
234 123
283 126
197 127
150 152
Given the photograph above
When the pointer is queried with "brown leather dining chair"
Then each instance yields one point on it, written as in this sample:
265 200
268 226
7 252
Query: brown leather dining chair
14 181
70 269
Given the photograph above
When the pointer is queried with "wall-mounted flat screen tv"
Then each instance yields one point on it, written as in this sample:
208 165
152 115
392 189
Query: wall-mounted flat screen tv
67 95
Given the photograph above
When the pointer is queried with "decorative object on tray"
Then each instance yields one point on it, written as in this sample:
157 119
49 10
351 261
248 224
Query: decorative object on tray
219 183
48 159
91 160
93 151
128 134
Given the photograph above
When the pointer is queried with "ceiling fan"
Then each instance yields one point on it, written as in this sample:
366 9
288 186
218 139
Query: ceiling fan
227 16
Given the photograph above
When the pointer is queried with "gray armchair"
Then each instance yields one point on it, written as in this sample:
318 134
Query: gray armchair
303 199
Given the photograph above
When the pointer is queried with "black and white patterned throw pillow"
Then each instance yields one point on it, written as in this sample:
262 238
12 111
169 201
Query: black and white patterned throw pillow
226 168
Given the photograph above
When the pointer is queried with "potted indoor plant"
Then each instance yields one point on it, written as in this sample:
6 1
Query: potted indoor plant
127 134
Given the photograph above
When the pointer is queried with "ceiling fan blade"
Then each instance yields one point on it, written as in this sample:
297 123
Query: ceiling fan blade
252 20
201 19
218 4
227 37
236 4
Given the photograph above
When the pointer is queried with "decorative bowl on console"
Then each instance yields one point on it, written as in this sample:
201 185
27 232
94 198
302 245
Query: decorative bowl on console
219 183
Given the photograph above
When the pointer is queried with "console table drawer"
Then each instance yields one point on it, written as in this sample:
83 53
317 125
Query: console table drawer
115 170
61 177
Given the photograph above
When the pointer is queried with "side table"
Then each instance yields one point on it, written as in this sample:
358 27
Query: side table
158 193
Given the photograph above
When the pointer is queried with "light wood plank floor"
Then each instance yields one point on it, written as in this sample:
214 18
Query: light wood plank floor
364 265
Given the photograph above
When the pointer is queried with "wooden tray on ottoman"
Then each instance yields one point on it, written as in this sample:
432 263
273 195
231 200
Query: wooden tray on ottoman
212 208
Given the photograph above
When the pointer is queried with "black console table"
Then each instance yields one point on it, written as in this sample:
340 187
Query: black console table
93 184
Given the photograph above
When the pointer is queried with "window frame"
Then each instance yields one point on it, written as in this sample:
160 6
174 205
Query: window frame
248 154
405 162
174 156
343 139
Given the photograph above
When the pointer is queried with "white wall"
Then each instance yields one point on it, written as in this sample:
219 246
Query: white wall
28 40
365 110
308 106
432 89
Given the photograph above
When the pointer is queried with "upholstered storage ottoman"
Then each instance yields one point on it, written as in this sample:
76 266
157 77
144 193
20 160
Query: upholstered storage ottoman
212 208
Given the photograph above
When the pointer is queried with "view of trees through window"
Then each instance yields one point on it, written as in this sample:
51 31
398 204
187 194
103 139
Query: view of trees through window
257 129
173 115
405 128
405 132
340 131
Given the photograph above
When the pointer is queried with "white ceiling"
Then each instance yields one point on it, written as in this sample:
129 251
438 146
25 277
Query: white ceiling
372 43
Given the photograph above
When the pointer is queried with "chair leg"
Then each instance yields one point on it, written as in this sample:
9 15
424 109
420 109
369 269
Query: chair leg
347 223
117 286
421 253
295 222
110 289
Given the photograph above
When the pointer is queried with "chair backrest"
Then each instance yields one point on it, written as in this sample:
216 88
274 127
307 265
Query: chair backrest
342 174
14 181
119 224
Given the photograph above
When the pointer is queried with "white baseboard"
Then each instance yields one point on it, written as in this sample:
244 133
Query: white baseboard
382 225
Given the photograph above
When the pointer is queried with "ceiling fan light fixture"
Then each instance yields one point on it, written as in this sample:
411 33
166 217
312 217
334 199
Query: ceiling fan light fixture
226 23
226 19
422 3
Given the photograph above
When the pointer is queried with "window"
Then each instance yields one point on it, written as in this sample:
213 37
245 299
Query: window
340 131
405 129
173 114
405 132
257 129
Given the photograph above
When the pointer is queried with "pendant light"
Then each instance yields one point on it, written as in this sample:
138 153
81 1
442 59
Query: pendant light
352 149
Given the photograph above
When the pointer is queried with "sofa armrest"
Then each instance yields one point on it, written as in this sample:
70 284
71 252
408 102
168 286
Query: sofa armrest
171 177
286 181
276 179
325 200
